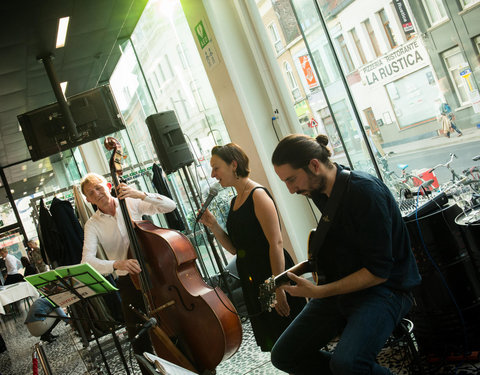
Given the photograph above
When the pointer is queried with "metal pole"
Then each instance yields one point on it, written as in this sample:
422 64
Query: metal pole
72 127
12 204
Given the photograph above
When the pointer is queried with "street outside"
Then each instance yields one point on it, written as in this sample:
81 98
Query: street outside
428 153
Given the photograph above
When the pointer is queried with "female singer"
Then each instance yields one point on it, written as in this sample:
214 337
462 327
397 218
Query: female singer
253 234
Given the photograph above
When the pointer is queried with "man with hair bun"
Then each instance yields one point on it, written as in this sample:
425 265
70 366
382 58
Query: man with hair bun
365 259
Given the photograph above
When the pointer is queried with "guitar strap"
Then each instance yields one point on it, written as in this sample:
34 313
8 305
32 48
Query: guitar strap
316 242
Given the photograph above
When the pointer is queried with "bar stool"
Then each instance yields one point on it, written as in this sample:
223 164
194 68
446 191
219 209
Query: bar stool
401 347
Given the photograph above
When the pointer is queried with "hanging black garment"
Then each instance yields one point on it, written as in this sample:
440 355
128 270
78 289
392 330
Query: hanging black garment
42 245
51 239
70 229
174 220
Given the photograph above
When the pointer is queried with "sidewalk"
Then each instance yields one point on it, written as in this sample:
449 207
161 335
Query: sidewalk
469 135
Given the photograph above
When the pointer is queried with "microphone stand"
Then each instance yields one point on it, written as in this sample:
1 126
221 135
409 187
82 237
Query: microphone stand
222 271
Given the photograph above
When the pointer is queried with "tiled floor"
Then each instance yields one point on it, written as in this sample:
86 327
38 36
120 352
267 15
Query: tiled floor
65 355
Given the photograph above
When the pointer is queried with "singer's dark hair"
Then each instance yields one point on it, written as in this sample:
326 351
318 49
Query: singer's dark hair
233 152
298 149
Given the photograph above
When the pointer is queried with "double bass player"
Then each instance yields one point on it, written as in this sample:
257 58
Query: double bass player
107 227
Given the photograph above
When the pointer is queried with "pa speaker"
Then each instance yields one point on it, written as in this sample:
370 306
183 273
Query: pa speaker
169 142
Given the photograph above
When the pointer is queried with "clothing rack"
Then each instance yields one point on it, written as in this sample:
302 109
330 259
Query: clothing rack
34 201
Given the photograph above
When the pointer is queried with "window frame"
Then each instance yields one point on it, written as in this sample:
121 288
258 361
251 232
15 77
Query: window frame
358 45
373 38
275 37
382 15
434 4
292 82
451 74
347 57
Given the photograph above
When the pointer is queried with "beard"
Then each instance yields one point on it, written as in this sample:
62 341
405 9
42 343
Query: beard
314 183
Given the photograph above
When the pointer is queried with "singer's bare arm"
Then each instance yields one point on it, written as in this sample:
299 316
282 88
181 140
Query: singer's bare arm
267 216
209 220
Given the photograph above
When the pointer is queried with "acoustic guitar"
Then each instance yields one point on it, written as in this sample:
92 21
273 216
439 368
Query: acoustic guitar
267 295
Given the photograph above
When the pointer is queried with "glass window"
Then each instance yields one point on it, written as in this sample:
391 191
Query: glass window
277 42
347 59
292 81
387 28
373 38
397 95
468 3
456 64
181 84
358 46
477 43
181 56
413 98
435 11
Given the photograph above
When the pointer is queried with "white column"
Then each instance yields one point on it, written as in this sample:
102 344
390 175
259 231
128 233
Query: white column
248 86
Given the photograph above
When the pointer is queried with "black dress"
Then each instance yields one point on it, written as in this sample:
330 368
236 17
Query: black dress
253 265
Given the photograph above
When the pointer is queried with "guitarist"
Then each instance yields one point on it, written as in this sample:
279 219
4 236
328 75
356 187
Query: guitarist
366 260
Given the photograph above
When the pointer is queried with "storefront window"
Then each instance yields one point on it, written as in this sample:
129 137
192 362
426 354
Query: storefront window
396 94
172 77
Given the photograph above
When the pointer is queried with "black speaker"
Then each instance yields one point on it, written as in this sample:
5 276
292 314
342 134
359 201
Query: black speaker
169 142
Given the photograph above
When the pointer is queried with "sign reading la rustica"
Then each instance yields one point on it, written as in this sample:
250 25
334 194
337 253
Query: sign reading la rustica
398 63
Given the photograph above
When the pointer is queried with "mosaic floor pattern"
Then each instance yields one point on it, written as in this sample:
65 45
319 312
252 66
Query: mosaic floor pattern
67 356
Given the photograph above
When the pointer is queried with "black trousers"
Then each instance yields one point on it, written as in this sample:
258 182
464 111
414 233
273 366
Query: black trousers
131 296
15 278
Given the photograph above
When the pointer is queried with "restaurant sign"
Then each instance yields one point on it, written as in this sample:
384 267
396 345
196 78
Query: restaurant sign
401 61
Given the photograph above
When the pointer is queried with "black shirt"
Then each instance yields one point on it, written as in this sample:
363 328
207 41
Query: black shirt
368 231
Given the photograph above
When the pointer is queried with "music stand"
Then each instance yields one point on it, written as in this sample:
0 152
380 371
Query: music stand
65 286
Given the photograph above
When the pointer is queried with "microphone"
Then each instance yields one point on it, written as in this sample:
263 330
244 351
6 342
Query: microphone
214 189
146 326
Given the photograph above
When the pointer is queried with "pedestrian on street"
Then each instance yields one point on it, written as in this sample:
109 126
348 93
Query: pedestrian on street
447 119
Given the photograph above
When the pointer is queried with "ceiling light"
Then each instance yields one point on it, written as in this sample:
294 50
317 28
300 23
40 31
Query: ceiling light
62 31
25 179
24 167
12 191
40 165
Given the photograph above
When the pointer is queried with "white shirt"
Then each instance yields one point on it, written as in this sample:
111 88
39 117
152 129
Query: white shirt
111 232
12 264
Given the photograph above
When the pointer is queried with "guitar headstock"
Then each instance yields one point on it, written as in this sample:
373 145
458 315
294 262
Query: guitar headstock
267 295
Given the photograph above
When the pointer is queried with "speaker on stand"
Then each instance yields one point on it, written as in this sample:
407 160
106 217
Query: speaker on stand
174 155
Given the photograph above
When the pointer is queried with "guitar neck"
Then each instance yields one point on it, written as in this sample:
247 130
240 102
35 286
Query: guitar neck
298 269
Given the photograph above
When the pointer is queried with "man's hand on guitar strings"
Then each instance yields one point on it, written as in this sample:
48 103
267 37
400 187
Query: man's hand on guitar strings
303 287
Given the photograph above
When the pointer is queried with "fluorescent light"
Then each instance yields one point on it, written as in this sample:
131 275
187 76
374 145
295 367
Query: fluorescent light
63 86
62 31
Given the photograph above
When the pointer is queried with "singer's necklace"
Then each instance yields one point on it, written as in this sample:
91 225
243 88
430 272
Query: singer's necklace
243 191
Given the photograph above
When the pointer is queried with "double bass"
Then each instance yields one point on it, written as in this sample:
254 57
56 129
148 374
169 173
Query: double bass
197 325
